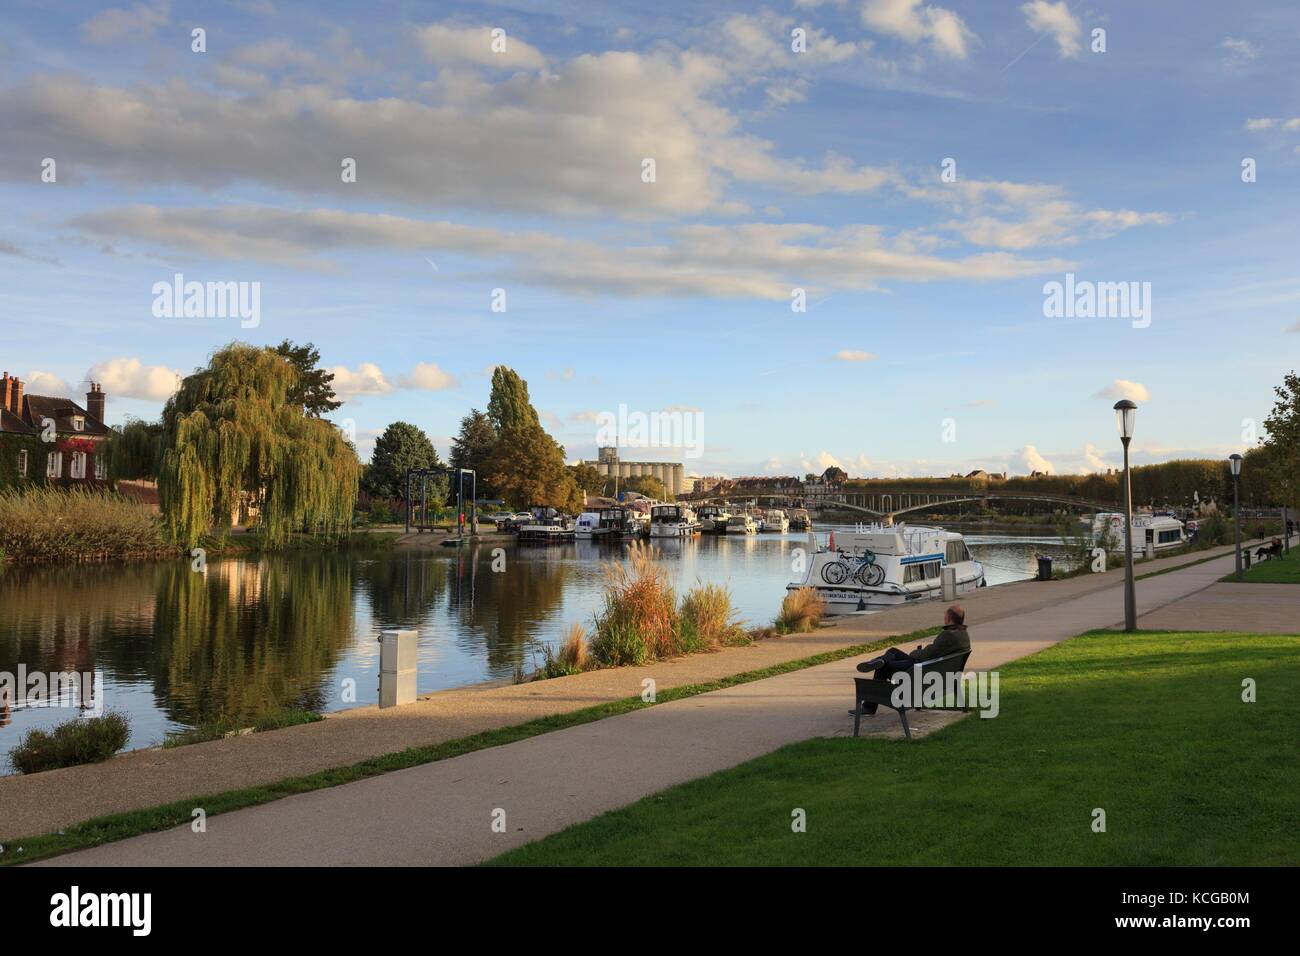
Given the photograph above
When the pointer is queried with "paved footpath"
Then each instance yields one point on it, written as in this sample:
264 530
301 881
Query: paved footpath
442 813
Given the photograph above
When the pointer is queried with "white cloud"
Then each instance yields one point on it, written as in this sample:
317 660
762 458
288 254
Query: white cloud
1255 125
37 382
1294 326
427 376
1123 388
1055 20
855 355
754 260
141 20
1092 457
368 379
909 20
445 43
1027 460
1240 52
130 378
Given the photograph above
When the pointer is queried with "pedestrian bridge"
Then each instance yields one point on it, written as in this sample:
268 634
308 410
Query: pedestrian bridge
889 505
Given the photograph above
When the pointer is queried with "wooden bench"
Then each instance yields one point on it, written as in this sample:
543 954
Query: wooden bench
868 690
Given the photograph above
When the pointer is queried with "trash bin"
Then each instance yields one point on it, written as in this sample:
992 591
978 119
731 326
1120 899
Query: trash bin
1044 568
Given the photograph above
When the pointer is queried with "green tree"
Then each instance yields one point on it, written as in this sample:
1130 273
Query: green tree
526 466
313 390
135 450
231 435
471 448
1283 442
647 485
589 479
400 447
509 405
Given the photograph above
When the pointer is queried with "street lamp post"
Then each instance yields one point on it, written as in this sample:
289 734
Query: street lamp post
1125 413
1235 462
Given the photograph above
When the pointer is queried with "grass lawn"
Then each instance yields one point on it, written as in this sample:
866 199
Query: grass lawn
1149 727
1284 570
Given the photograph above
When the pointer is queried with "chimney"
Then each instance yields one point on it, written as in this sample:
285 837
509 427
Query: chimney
16 405
95 402
6 391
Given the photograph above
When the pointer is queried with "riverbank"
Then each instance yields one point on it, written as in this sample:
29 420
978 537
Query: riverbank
552 780
46 802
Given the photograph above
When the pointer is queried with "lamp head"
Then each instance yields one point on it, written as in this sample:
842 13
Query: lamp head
1125 413
1235 462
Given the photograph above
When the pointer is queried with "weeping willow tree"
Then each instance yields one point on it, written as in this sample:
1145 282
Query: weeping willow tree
232 437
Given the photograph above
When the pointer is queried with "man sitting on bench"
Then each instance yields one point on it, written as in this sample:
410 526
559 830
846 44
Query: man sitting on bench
953 639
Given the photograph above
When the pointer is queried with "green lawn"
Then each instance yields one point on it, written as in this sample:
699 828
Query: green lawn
1149 727
1284 570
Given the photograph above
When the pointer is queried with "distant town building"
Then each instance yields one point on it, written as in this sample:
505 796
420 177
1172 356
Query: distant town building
52 438
670 474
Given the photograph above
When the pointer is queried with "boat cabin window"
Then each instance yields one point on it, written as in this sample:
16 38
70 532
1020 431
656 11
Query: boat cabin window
921 571
1167 536
956 552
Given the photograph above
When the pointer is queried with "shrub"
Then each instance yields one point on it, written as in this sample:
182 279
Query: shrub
60 524
708 619
571 658
639 608
801 610
78 741
1213 531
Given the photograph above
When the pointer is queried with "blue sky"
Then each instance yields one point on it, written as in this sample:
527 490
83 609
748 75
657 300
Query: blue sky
520 168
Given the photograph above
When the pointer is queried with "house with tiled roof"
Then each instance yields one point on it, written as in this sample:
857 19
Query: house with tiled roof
53 440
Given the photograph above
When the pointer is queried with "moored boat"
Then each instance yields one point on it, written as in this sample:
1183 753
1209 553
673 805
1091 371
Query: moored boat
742 524
712 518
1159 532
775 520
672 521
886 565
547 527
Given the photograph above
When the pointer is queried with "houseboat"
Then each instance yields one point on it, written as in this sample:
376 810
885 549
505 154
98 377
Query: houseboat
620 523
589 526
712 518
800 520
547 527
775 520
886 565
672 521
742 524
1159 532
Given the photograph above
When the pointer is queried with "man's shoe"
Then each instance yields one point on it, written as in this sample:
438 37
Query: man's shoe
874 664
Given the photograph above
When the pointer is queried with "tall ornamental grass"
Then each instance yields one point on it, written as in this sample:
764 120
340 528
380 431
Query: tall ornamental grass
74 524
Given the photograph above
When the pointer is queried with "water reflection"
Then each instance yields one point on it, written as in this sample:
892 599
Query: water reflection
179 648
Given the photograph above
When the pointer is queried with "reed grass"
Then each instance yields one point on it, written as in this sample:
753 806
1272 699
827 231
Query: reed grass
708 619
74 524
801 611
639 620
78 741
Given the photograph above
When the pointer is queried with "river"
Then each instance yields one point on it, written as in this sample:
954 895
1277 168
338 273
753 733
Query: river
177 648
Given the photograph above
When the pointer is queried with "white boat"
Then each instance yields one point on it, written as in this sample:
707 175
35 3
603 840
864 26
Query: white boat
800 520
589 525
672 521
887 565
775 520
712 518
547 527
1160 532
742 524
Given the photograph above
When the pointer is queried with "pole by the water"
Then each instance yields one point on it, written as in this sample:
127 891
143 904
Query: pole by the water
1130 594
1236 519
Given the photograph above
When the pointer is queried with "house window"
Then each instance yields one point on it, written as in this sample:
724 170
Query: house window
78 424
22 463
101 471
54 464
78 465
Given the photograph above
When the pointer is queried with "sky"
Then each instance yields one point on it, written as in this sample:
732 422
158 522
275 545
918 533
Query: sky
628 203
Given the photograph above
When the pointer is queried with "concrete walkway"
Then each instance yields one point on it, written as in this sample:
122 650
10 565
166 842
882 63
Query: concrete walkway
442 813
45 802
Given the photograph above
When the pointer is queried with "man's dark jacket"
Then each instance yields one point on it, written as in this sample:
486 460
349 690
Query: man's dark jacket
953 639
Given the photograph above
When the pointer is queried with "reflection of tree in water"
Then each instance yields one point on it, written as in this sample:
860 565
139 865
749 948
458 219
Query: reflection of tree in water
496 610
402 586
504 608
249 636
80 617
